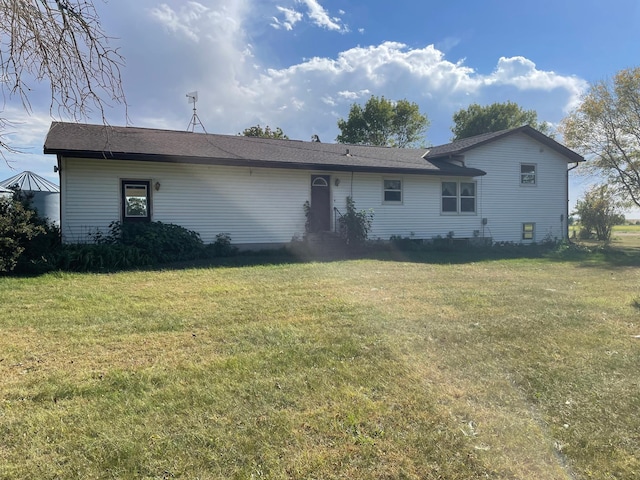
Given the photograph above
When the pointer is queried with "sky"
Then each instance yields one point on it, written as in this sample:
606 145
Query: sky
300 64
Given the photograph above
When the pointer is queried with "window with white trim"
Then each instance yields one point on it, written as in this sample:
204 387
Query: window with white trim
458 197
527 174
528 231
392 190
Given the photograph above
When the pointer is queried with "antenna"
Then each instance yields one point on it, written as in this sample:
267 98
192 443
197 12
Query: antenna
195 119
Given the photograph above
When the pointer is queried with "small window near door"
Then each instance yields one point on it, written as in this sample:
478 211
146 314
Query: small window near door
135 201
393 191
528 231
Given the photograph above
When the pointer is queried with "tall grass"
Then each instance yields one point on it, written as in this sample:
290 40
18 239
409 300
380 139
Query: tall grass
519 368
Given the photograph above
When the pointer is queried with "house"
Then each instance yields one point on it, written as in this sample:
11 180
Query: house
508 186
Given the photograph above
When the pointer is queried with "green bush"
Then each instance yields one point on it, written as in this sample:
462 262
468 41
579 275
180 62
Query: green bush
222 246
26 240
160 242
355 225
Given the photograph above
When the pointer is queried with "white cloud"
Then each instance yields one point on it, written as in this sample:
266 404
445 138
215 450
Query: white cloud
522 73
185 21
207 46
321 17
314 11
291 17
354 95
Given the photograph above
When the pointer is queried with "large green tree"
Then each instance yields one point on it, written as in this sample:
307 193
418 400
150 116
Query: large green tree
605 128
266 132
383 122
478 119
60 43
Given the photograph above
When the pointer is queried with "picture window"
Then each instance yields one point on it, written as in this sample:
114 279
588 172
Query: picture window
136 201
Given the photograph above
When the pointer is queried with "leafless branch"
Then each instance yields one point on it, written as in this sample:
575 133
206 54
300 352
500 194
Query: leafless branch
62 43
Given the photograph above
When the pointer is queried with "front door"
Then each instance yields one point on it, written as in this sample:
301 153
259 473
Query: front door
320 214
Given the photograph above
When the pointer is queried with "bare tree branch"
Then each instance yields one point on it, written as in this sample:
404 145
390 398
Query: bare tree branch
62 43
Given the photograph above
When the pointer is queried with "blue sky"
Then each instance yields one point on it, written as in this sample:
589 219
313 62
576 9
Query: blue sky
300 64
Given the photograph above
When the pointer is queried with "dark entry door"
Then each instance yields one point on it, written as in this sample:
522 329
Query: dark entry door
320 214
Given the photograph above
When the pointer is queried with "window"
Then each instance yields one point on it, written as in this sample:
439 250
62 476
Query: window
527 174
393 191
458 197
528 231
135 201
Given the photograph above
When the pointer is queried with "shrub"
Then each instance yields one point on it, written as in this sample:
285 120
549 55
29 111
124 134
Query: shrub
26 240
222 246
355 225
157 241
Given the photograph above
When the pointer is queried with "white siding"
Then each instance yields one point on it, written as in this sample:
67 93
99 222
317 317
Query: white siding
506 204
253 205
262 206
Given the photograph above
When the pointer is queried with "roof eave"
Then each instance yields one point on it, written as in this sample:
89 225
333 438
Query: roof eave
256 163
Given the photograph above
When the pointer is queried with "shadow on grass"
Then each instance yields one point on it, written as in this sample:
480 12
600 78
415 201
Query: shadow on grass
587 256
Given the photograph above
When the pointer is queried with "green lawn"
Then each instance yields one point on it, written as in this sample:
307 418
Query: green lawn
523 368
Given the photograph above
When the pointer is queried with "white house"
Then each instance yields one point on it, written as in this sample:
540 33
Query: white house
509 186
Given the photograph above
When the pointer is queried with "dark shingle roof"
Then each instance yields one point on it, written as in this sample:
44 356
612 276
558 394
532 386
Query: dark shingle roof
461 146
145 144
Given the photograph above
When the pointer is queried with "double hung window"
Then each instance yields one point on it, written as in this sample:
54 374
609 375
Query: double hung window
392 190
459 197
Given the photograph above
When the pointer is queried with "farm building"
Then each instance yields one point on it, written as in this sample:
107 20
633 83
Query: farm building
44 194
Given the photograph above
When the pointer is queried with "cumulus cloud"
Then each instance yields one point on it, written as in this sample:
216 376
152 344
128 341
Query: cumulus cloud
523 74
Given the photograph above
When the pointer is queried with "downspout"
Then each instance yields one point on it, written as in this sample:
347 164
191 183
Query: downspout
58 168
566 228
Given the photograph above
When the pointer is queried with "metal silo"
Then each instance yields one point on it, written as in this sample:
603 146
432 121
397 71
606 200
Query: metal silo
46 195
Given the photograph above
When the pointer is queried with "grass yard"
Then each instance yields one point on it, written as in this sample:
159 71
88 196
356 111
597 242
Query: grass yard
522 368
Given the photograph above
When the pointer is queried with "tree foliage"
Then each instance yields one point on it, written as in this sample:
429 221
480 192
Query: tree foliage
599 211
477 119
60 42
26 239
383 122
258 131
605 128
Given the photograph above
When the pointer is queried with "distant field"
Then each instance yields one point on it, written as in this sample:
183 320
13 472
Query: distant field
524 368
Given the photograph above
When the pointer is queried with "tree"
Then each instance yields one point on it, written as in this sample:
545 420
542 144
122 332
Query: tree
599 211
605 128
477 119
257 131
384 123
60 42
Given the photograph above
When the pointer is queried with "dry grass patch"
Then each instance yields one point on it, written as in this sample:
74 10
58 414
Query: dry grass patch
355 369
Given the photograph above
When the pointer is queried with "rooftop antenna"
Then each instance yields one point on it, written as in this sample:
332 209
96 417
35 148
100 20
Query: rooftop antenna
195 119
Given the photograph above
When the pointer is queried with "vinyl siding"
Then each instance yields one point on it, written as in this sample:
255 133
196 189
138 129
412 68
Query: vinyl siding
265 206
251 205
506 204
